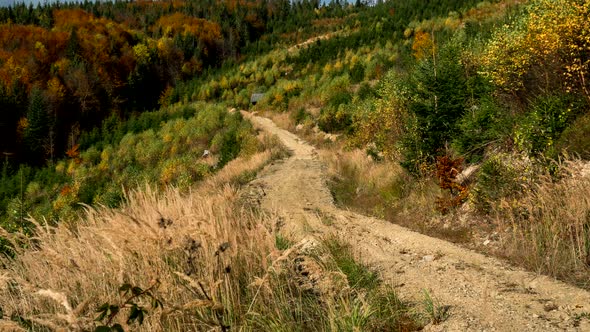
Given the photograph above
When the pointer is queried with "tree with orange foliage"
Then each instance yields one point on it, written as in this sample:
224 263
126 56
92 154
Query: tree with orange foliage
179 23
423 45
447 171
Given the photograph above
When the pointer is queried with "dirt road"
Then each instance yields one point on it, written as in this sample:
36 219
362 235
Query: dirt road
483 293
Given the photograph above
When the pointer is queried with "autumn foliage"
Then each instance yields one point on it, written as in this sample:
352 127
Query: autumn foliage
447 171
548 49
423 45
179 23
102 59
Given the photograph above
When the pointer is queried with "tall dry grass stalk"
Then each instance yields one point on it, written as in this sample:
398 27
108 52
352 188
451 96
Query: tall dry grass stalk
550 224
205 251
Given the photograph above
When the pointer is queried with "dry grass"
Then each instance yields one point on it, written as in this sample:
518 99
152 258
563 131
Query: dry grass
549 225
382 189
236 170
309 131
176 240
282 120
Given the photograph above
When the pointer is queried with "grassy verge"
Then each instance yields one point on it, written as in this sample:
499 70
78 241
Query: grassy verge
381 189
550 225
369 305
532 218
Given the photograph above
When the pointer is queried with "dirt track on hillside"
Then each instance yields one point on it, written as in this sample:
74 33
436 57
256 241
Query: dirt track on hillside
483 293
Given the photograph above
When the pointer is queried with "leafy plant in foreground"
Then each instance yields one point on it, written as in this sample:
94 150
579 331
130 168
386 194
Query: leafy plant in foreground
137 312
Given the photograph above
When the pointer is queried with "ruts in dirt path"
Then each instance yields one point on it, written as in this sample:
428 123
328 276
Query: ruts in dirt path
482 293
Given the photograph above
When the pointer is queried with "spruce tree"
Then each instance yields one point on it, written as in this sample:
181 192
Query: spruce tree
37 129
439 97
73 46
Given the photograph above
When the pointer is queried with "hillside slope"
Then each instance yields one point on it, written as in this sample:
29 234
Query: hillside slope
478 293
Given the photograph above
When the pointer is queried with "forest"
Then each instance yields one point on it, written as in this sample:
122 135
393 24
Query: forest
80 75
73 75
67 67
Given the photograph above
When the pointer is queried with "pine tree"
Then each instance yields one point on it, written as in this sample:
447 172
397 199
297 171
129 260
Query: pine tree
440 95
73 46
37 130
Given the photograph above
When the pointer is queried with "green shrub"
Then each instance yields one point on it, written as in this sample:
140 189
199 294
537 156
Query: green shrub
90 188
575 139
543 124
339 98
500 177
92 155
481 125
438 98
230 147
366 91
299 116
335 118
188 111
357 72
112 196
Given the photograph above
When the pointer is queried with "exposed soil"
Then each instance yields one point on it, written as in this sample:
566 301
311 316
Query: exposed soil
311 40
482 293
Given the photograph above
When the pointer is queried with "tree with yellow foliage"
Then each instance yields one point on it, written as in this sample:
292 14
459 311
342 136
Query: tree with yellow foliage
547 49
423 45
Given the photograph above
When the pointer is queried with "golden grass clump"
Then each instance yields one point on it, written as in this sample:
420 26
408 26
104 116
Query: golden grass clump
550 225
381 188
202 251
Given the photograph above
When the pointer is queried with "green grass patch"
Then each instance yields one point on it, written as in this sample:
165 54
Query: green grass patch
282 243
359 276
